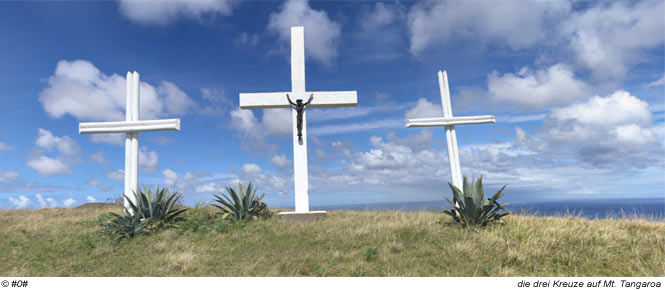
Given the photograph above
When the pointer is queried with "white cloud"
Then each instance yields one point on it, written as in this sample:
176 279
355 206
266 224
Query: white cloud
65 144
148 160
658 82
170 177
530 90
520 118
91 199
438 22
92 181
280 161
99 157
7 176
6 147
252 168
80 89
117 175
611 36
355 127
604 131
20 202
379 16
45 202
424 109
277 121
321 33
210 187
68 153
165 12
68 202
217 102
47 166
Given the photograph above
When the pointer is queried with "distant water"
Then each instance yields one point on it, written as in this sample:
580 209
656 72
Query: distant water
653 209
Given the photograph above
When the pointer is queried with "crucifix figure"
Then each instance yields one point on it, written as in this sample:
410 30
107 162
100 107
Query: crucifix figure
300 109
131 127
316 99
449 122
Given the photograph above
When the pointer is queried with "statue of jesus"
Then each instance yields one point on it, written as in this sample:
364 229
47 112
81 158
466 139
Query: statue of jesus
299 106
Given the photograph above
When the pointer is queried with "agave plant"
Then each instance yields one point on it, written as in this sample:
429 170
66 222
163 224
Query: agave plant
158 207
127 225
149 212
470 207
240 203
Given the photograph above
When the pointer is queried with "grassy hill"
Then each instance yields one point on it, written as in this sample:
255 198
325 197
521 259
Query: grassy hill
67 242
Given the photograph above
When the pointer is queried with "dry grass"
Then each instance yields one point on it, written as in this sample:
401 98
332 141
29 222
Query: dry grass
67 242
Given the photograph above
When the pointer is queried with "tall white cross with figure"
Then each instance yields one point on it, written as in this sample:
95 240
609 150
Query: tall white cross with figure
298 92
131 126
449 122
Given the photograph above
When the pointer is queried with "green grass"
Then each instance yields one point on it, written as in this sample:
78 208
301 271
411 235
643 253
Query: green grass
67 242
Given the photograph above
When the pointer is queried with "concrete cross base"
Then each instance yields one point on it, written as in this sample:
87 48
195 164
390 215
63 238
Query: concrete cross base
302 216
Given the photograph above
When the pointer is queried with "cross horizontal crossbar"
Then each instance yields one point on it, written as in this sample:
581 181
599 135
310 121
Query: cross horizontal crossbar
129 126
435 122
278 99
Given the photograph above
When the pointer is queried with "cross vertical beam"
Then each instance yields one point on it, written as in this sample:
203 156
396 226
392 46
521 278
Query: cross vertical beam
300 170
451 136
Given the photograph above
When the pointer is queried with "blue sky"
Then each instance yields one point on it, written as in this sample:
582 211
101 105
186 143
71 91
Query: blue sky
577 89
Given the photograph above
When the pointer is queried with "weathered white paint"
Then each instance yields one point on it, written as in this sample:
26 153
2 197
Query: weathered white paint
298 91
131 126
449 122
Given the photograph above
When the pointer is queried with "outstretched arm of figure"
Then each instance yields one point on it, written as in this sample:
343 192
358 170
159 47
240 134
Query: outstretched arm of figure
311 96
290 102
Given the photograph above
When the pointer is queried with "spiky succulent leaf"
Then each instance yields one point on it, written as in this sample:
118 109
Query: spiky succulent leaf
470 207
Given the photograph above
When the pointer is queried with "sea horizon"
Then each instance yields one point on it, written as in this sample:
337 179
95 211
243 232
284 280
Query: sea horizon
646 208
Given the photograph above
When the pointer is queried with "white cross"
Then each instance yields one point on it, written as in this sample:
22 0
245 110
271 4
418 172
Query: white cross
449 122
279 100
131 126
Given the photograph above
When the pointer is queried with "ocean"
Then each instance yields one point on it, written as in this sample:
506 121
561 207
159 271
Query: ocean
652 209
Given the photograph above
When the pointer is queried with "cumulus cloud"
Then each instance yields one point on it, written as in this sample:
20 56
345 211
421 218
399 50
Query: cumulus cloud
6 147
539 89
67 149
280 161
47 166
380 15
90 198
99 157
252 168
65 144
610 36
20 202
165 12
424 109
604 131
68 202
170 177
438 22
80 89
274 122
148 160
7 176
117 174
321 33
45 202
